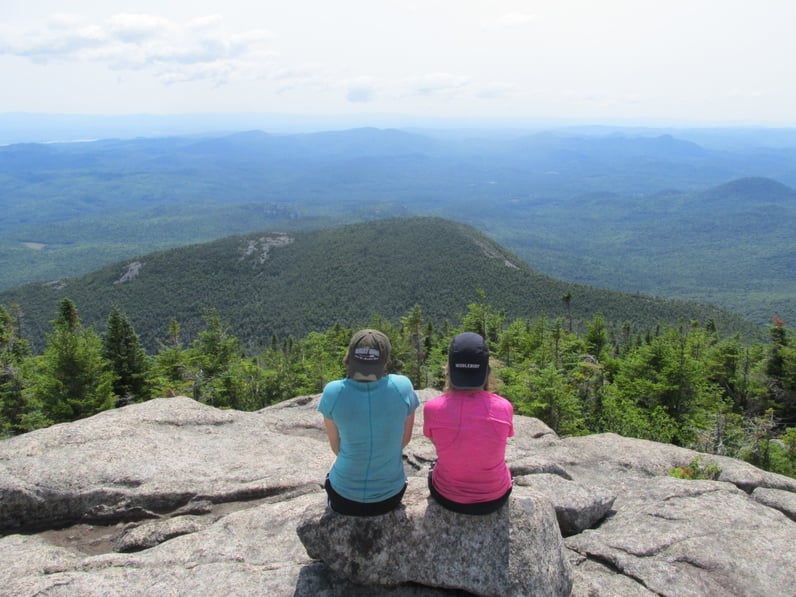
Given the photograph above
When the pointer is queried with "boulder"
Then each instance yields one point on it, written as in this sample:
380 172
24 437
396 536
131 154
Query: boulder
211 501
577 506
515 551
679 537
141 460
137 538
784 501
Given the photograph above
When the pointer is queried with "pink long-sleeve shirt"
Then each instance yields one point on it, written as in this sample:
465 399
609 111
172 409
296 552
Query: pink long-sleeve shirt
469 429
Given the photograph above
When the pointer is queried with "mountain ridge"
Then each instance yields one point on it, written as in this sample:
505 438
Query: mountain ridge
282 284
71 208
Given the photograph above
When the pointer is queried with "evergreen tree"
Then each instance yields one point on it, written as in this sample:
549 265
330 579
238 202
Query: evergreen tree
322 355
122 348
413 333
597 337
512 341
66 316
13 351
169 372
669 380
214 358
781 372
553 400
72 379
481 319
567 298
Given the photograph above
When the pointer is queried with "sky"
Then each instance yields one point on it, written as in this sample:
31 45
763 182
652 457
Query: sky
597 61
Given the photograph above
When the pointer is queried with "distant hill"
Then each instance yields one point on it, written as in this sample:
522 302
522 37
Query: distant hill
649 211
746 192
289 284
732 244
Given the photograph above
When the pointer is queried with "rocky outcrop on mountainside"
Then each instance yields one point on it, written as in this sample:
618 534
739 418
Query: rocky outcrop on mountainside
175 497
514 551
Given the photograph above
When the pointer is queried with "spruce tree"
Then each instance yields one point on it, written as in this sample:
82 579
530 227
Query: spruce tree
413 328
72 379
123 350
13 351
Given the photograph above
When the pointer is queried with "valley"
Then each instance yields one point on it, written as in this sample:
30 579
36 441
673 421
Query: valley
697 215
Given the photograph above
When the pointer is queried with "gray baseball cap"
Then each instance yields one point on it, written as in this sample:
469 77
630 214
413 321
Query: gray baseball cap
368 354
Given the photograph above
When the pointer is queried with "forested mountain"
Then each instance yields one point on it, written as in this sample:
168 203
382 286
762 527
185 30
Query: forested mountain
697 215
732 245
278 284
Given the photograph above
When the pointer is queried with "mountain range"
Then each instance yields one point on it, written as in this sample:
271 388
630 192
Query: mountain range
279 284
704 215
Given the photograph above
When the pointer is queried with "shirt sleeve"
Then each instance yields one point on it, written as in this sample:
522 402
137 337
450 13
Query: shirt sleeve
428 417
407 392
328 400
414 402
510 415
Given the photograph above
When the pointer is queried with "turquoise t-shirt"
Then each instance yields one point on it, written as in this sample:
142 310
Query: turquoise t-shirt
370 417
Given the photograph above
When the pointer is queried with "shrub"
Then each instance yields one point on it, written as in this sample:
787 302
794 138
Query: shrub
696 470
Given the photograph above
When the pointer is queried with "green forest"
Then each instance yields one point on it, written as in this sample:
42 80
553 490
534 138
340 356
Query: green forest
690 215
562 246
681 383
292 284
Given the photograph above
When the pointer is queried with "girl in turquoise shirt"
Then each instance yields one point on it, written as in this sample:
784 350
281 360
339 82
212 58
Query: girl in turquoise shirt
368 418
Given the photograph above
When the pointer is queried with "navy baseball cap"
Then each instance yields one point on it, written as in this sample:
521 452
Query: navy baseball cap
468 361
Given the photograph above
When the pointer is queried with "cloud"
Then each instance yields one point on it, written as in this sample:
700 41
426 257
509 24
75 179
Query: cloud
137 28
497 90
437 84
174 51
361 90
359 94
288 79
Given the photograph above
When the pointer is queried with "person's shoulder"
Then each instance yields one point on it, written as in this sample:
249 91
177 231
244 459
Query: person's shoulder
333 387
436 402
504 402
329 398
401 381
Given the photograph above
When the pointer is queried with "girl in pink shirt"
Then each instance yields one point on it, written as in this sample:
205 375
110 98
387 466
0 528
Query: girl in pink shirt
469 426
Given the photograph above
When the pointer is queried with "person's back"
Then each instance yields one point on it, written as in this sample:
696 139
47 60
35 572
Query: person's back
469 427
368 418
469 430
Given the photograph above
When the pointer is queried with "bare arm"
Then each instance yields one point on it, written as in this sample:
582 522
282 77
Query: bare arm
410 422
333 434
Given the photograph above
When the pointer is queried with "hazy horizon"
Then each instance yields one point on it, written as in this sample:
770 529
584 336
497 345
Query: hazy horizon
25 127
310 63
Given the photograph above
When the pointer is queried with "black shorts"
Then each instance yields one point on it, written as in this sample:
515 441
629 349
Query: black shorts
478 508
348 507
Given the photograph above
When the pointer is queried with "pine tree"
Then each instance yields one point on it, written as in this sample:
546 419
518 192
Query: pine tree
72 379
597 337
213 357
122 348
412 328
13 351
781 373
170 372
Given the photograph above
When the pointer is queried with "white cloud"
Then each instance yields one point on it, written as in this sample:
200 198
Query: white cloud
137 28
361 90
615 57
497 90
303 76
437 83
359 94
175 51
